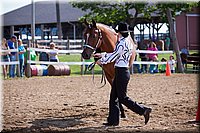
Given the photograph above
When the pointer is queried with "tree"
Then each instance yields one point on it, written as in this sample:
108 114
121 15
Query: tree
169 11
112 13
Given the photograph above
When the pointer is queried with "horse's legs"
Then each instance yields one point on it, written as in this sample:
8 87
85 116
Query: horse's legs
120 105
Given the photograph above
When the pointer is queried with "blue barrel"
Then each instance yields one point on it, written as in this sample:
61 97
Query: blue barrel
42 70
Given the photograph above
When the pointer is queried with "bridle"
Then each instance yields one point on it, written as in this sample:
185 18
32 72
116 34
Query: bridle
94 49
87 45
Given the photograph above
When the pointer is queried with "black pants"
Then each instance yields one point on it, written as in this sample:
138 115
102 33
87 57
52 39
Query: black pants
118 94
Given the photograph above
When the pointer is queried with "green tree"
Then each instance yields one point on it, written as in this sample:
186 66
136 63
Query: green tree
168 11
112 13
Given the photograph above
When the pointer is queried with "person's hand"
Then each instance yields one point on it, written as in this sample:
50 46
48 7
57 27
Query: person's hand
97 55
98 62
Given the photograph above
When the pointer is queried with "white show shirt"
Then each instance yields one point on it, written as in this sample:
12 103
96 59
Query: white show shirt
121 54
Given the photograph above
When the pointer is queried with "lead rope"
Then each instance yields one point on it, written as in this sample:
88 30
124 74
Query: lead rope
103 77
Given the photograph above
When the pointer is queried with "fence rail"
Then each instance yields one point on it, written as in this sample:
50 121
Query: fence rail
79 52
62 44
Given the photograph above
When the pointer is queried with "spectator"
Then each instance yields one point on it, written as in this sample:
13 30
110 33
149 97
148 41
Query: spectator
167 42
53 54
153 56
32 56
184 54
11 45
172 62
143 57
162 67
5 57
154 38
153 68
21 50
184 51
136 66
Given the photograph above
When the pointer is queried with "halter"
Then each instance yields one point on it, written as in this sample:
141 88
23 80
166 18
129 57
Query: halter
86 45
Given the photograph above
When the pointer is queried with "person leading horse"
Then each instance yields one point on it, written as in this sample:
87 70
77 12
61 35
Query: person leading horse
122 57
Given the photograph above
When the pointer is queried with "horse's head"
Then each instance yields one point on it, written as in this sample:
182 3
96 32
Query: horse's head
92 36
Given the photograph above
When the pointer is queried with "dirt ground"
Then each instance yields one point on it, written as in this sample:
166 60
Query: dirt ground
75 104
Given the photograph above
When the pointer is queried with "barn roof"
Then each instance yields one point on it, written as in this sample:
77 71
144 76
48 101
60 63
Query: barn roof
45 12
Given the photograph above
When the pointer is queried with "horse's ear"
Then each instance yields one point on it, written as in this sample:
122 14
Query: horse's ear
85 23
94 23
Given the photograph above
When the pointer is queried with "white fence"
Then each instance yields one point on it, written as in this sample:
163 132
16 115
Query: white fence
79 52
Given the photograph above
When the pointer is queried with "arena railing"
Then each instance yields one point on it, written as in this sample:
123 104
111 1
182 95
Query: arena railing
86 63
82 62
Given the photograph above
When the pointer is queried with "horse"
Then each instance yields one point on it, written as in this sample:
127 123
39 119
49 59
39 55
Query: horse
100 36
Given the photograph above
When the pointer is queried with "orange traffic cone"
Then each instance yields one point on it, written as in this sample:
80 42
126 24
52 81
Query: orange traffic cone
198 111
197 121
168 71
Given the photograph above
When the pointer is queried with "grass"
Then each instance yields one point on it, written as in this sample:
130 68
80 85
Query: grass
77 69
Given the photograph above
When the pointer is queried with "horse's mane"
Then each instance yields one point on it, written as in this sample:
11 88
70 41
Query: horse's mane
103 27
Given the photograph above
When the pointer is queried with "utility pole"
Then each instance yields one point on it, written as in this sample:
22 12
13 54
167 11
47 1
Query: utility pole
58 20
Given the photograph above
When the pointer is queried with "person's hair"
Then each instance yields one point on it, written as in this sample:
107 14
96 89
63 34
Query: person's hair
52 44
19 40
171 56
163 59
153 43
14 37
4 42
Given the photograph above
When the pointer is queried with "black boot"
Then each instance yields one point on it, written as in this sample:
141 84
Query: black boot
147 115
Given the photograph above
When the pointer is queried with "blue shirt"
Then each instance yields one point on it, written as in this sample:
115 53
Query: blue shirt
21 48
11 45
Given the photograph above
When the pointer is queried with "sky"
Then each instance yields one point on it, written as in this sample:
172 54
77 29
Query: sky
9 5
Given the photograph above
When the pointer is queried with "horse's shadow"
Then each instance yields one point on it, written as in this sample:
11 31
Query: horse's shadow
60 123
53 124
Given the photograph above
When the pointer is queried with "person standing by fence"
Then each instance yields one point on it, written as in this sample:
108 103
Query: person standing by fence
172 63
11 45
4 57
167 42
53 54
21 50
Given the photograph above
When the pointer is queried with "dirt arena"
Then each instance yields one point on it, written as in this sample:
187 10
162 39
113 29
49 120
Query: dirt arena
75 104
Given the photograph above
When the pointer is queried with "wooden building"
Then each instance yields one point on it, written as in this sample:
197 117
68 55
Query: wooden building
19 21
187 29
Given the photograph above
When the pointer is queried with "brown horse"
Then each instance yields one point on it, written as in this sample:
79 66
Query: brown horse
100 36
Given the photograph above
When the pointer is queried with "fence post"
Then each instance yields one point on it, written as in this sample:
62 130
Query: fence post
68 43
82 57
18 65
81 65
28 61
